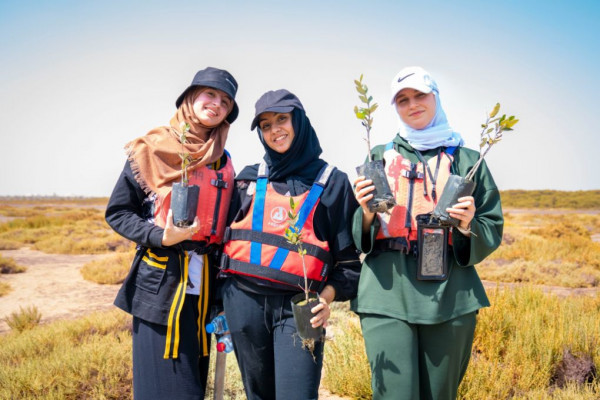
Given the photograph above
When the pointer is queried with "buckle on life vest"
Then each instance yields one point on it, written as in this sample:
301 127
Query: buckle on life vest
411 174
220 183
393 244
227 235
224 262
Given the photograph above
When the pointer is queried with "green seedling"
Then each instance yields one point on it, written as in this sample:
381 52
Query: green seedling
365 113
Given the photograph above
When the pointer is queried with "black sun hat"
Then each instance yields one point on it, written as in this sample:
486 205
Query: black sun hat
217 79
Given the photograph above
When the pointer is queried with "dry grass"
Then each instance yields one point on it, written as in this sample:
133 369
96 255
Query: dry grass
9 266
578 199
345 368
85 359
5 288
64 230
89 358
547 249
519 342
110 270
9 245
24 319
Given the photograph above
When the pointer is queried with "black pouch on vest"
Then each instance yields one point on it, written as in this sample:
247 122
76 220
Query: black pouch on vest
432 262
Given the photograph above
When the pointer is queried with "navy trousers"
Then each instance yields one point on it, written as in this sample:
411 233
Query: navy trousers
269 353
155 378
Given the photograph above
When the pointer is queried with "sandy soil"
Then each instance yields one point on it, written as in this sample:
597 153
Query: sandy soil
54 285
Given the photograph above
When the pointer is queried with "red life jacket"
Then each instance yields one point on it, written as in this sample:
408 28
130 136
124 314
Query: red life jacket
415 193
216 188
256 246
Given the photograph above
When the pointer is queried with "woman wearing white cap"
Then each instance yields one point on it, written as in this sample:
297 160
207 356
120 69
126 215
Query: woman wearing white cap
418 329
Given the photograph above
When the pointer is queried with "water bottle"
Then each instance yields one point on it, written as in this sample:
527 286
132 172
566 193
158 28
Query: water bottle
218 325
224 344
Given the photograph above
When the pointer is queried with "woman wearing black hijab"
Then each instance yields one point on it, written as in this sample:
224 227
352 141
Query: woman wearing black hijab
257 290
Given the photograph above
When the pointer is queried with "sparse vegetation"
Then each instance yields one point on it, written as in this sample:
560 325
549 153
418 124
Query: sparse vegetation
109 270
24 319
64 230
9 266
5 289
87 358
519 343
579 199
547 249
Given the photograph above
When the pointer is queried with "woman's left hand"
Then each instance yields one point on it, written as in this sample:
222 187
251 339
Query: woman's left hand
464 211
322 312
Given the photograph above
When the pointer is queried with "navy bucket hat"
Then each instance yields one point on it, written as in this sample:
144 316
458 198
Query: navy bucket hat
216 79
277 101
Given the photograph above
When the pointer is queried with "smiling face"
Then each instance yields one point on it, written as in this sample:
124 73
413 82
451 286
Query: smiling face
277 130
416 109
211 106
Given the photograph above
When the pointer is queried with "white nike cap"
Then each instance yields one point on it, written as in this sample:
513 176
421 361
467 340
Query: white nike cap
415 78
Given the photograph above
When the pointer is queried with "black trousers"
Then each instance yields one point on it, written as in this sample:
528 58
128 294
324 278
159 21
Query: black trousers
269 353
182 378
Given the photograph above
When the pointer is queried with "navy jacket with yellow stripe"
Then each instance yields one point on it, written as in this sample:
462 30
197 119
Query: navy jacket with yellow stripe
154 289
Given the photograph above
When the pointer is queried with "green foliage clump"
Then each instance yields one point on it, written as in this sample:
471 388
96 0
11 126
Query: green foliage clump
26 318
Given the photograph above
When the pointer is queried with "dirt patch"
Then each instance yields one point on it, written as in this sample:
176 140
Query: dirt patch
54 285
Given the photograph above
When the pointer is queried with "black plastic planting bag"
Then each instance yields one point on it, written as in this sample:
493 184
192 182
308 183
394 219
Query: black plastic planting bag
383 199
455 188
303 315
184 202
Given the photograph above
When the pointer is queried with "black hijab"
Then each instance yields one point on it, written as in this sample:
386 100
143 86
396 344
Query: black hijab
300 162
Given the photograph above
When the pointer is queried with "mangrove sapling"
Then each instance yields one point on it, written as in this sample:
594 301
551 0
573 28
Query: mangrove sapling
186 159
294 236
457 186
302 303
490 135
184 197
364 113
382 199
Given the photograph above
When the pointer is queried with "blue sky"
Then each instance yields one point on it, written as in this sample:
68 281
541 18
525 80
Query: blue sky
80 79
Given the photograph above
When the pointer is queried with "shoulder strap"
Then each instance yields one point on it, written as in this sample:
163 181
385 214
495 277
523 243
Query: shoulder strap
307 206
259 209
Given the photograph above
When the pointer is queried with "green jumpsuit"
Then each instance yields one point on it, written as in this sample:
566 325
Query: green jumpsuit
418 334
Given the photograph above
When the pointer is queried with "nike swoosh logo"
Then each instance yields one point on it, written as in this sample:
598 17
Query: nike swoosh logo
404 77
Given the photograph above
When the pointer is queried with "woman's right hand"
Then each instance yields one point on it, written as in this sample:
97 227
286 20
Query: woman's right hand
174 234
363 189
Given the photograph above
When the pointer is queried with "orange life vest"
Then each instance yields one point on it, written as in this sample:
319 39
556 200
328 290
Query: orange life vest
216 188
256 246
415 193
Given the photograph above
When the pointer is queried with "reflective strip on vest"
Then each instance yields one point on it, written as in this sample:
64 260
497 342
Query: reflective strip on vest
257 245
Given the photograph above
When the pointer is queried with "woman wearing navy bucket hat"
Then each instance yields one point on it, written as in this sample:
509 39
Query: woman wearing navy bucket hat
419 291
169 287
259 284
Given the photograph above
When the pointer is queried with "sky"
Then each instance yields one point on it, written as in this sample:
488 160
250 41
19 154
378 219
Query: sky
79 79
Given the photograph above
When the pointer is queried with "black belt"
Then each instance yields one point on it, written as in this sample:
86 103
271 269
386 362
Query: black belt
396 244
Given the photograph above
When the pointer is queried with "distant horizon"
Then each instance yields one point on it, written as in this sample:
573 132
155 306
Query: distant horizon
81 79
